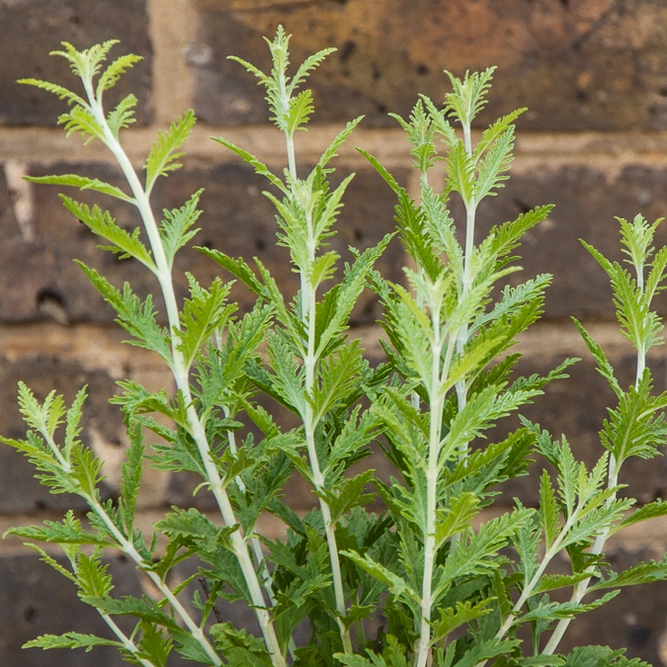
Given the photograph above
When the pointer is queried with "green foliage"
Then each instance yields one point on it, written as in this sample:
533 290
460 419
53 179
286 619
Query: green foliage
456 585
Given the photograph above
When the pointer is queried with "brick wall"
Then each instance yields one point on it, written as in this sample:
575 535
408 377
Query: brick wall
594 77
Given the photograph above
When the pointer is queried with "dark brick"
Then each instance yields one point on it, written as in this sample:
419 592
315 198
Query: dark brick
586 203
30 31
236 218
19 490
594 66
43 267
36 600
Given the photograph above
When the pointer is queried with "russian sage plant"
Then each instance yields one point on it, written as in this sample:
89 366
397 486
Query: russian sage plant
428 580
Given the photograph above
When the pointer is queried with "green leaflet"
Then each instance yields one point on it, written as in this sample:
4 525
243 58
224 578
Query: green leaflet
101 223
70 640
83 183
162 158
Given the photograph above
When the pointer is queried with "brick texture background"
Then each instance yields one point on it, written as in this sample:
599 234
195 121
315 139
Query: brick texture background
594 78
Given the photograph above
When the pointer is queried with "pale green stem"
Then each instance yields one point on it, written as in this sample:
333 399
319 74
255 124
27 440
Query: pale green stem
614 469
414 396
289 136
254 541
310 362
582 587
462 337
550 554
308 315
181 376
641 348
437 401
126 641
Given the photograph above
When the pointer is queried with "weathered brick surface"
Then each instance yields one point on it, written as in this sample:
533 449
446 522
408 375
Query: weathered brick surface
597 65
239 220
31 30
35 600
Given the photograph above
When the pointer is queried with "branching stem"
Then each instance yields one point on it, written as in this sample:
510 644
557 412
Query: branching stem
181 375
129 549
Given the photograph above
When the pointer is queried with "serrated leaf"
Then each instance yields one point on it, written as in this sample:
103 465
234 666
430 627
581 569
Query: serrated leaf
347 293
454 617
60 91
46 417
330 153
154 645
200 316
603 366
637 426
123 115
549 511
131 473
393 582
101 223
300 109
191 526
461 172
83 183
70 640
492 166
336 376
135 317
354 660
495 131
649 511
162 158
601 656
93 577
348 493
81 119
554 582
69 531
176 228
456 517
643 573
475 553
239 647
144 608
468 96
114 71
259 167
